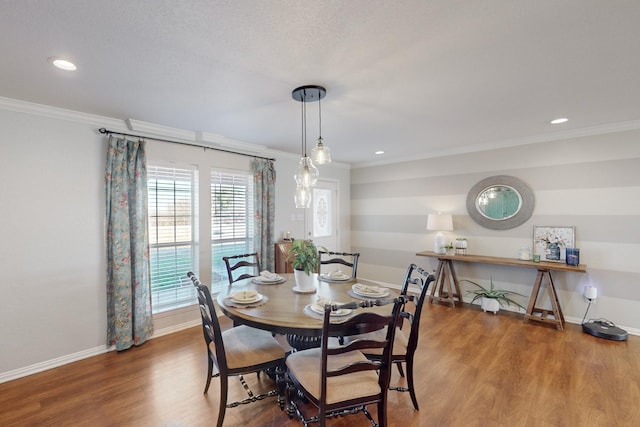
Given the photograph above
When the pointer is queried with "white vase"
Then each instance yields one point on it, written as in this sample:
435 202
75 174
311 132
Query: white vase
304 281
490 304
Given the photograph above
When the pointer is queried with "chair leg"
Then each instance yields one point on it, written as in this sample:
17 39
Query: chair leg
399 365
209 375
412 390
382 414
224 389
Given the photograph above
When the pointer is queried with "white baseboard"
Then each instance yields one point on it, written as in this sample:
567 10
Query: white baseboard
176 328
52 363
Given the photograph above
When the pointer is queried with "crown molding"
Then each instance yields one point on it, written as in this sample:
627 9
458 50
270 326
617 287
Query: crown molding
41 110
537 139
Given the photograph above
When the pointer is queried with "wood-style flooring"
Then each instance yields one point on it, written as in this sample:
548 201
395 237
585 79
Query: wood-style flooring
473 369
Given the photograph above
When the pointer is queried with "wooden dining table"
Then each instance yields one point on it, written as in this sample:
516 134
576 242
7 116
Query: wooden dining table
285 311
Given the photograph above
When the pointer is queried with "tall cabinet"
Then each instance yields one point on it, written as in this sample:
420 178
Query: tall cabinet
282 250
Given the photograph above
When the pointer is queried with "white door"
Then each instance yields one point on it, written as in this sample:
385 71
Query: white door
322 218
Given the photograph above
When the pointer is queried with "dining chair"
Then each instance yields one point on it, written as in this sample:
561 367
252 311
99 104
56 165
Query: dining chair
341 380
349 260
404 347
242 266
237 351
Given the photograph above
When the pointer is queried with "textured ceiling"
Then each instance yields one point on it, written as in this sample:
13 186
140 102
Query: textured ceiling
413 78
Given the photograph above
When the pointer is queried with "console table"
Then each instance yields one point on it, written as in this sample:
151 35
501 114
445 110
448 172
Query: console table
445 276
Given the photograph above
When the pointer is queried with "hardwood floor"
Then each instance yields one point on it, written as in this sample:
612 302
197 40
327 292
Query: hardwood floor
473 369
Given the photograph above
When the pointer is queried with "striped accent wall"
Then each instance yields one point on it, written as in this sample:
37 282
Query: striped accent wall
591 182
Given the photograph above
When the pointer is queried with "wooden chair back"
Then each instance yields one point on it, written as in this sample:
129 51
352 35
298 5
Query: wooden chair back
421 278
332 361
347 259
210 325
248 263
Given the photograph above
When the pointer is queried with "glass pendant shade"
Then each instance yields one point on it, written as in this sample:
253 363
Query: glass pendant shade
302 197
307 173
321 154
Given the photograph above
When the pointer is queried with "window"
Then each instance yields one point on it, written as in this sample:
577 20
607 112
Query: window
172 230
231 221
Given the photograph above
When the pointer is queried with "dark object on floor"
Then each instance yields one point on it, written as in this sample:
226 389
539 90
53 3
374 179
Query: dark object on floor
602 328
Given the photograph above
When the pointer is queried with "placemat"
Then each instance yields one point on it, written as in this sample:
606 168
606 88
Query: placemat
231 303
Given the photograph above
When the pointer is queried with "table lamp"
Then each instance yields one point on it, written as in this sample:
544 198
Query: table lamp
439 222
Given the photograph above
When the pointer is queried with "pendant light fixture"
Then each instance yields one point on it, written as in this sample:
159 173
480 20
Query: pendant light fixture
320 154
306 174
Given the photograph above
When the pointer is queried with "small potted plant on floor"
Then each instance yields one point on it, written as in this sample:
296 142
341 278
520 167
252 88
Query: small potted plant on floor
491 299
303 255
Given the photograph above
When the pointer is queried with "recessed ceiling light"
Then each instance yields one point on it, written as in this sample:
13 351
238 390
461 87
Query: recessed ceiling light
559 120
63 64
379 152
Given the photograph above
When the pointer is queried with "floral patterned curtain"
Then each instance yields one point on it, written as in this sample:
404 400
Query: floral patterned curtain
129 319
264 184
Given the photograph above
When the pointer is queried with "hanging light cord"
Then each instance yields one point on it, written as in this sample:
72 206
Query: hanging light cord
304 125
302 129
320 118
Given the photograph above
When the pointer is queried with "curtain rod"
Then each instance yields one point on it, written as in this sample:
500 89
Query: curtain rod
107 132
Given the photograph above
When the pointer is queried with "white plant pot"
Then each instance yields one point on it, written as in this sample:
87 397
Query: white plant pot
304 281
490 304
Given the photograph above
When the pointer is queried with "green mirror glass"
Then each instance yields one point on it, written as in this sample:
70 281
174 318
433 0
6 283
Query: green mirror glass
499 202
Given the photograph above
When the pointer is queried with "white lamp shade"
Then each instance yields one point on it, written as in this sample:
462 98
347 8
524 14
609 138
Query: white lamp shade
439 222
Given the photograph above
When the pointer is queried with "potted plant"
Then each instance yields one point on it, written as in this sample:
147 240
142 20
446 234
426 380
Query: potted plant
303 255
492 299
449 248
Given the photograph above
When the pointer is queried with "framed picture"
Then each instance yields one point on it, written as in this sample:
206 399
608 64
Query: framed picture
551 242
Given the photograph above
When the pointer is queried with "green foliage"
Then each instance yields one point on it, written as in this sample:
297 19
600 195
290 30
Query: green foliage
497 294
304 255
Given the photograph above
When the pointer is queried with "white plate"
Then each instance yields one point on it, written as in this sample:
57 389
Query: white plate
328 278
320 310
383 292
264 281
257 298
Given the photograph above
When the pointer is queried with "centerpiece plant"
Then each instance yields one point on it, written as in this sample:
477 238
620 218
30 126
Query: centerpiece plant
304 258
303 255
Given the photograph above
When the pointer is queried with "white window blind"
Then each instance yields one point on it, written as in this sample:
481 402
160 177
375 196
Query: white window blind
232 221
172 231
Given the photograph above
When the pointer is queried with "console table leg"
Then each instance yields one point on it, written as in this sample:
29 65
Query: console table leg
445 275
540 314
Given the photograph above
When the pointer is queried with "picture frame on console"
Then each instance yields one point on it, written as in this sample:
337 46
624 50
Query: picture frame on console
551 242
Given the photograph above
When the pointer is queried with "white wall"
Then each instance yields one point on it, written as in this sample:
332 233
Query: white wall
52 258
591 183
52 290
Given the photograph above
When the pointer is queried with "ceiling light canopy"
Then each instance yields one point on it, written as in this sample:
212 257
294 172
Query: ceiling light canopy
307 173
559 120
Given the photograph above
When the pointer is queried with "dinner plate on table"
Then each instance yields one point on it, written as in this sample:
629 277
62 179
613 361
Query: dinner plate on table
245 297
261 280
319 309
334 278
369 291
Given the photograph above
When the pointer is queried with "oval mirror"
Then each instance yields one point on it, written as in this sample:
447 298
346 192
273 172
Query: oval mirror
500 202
